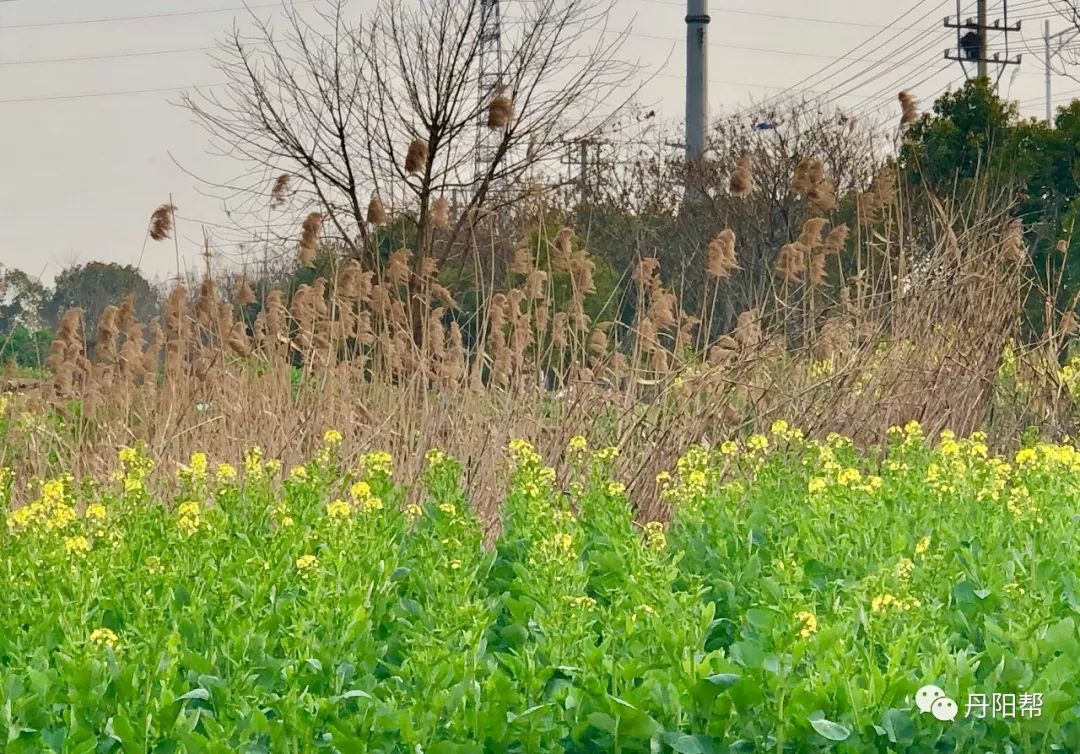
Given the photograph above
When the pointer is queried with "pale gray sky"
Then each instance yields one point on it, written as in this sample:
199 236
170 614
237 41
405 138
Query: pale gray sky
85 144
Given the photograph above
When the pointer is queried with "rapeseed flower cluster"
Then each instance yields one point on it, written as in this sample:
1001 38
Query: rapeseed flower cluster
654 538
808 623
307 565
197 468
135 468
189 517
363 497
377 463
104 637
883 602
339 511
52 511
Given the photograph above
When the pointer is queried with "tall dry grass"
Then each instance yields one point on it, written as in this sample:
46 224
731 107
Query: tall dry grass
858 329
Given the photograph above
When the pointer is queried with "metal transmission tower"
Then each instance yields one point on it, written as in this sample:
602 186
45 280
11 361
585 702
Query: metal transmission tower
972 40
489 82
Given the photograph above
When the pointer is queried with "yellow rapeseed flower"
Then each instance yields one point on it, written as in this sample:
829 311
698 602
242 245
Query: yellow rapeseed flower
904 569
198 465
882 601
729 448
757 442
848 477
448 508
413 511
332 437
298 473
1025 456
809 623
77 545
577 444
104 637
654 536
779 427
96 512
339 510
307 565
815 485
377 462
615 489
608 453
922 545
225 472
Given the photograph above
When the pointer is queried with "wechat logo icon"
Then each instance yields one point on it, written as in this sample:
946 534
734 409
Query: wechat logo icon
933 700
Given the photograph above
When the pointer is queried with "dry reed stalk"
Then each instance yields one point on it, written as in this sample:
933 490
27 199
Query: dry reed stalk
376 212
837 239
278 190
309 239
790 263
244 296
722 259
810 237
647 273
909 108
398 272
816 274
521 262
417 156
161 222
440 213
500 112
741 183
564 252
1013 247
823 195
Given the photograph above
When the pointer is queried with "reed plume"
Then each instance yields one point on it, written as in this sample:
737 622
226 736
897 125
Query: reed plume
277 191
161 222
500 112
309 239
741 183
417 156
722 258
908 107
440 213
376 212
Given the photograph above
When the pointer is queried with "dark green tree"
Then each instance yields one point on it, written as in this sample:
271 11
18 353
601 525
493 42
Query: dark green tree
95 285
1029 170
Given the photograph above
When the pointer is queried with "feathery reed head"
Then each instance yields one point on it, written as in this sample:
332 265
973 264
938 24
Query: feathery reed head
909 108
376 211
277 191
741 182
722 258
440 213
500 112
417 156
309 239
161 222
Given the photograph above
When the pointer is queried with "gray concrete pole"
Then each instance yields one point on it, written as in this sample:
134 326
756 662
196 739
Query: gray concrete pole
697 57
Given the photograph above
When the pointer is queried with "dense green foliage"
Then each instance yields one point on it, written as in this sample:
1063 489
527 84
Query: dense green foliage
799 598
24 348
1031 169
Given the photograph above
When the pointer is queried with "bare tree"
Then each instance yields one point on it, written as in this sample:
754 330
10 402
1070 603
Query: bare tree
407 106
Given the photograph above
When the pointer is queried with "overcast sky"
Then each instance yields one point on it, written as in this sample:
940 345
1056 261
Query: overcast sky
89 147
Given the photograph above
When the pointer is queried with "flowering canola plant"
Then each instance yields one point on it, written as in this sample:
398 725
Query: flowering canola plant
796 592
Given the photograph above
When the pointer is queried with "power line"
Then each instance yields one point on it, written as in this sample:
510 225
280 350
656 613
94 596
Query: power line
92 95
106 56
781 16
152 16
